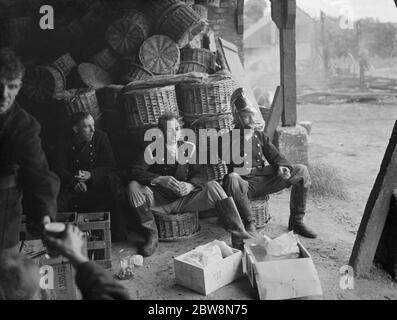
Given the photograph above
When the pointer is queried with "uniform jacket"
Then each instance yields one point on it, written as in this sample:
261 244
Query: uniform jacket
95 156
144 173
265 159
23 172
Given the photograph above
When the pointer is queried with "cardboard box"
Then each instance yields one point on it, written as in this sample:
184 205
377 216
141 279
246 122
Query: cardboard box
57 276
63 283
209 279
282 279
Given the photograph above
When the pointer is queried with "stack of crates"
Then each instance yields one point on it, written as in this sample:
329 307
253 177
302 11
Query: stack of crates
96 226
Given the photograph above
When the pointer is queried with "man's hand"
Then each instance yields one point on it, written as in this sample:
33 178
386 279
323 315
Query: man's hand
72 246
284 172
168 182
83 176
80 187
186 188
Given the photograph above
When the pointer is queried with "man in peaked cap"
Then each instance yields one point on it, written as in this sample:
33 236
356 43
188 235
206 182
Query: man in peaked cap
264 170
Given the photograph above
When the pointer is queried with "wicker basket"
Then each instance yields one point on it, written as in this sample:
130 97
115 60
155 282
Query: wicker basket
207 97
65 64
136 72
126 35
145 106
78 100
177 227
260 208
219 122
216 171
192 66
93 76
209 3
43 83
104 59
160 55
180 22
203 56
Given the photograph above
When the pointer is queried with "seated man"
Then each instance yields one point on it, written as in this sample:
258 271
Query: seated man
82 161
268 172
172 187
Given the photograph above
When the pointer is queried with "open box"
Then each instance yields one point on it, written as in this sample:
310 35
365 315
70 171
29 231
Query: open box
211 278
282 279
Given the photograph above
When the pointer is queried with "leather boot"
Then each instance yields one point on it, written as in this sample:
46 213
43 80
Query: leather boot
148 225
231 221
298 208
245 211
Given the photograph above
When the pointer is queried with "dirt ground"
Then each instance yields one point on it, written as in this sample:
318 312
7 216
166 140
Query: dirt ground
349 137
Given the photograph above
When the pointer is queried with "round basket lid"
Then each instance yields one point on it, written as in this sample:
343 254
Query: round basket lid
43 82
93 76
160 55
126 35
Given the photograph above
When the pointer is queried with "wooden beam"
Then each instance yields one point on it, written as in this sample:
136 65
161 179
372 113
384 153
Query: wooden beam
276 110
284 15
376 211
277 14
288 75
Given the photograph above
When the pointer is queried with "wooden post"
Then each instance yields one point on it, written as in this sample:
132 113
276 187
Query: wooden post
376 211
284 15
273 119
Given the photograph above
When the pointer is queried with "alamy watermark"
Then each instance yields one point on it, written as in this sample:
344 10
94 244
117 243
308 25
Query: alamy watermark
208 150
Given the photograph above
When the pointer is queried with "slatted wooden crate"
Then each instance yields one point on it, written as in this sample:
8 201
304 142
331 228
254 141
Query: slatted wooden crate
97 228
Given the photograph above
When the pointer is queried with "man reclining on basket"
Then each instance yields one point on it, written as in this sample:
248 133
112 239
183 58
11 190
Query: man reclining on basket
264 170
171 187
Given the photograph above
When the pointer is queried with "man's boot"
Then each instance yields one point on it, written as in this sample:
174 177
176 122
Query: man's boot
149 228
231 221
298 208
245 211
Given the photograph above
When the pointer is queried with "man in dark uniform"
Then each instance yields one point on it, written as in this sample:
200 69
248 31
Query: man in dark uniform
23 166
83 161
264 171
173 186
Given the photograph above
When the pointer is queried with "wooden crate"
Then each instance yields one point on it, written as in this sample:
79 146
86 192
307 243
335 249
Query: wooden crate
97 228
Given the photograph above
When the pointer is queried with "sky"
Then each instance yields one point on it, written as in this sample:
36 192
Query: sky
384 10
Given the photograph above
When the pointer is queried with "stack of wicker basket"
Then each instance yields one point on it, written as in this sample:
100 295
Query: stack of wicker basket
142 44
206 105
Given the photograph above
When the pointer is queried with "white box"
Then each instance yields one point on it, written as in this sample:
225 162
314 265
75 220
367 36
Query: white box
211 278
282 279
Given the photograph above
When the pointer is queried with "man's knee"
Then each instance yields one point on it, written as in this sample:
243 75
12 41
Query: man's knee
134 186
215 190
234 185
136 193
301 171
232 179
